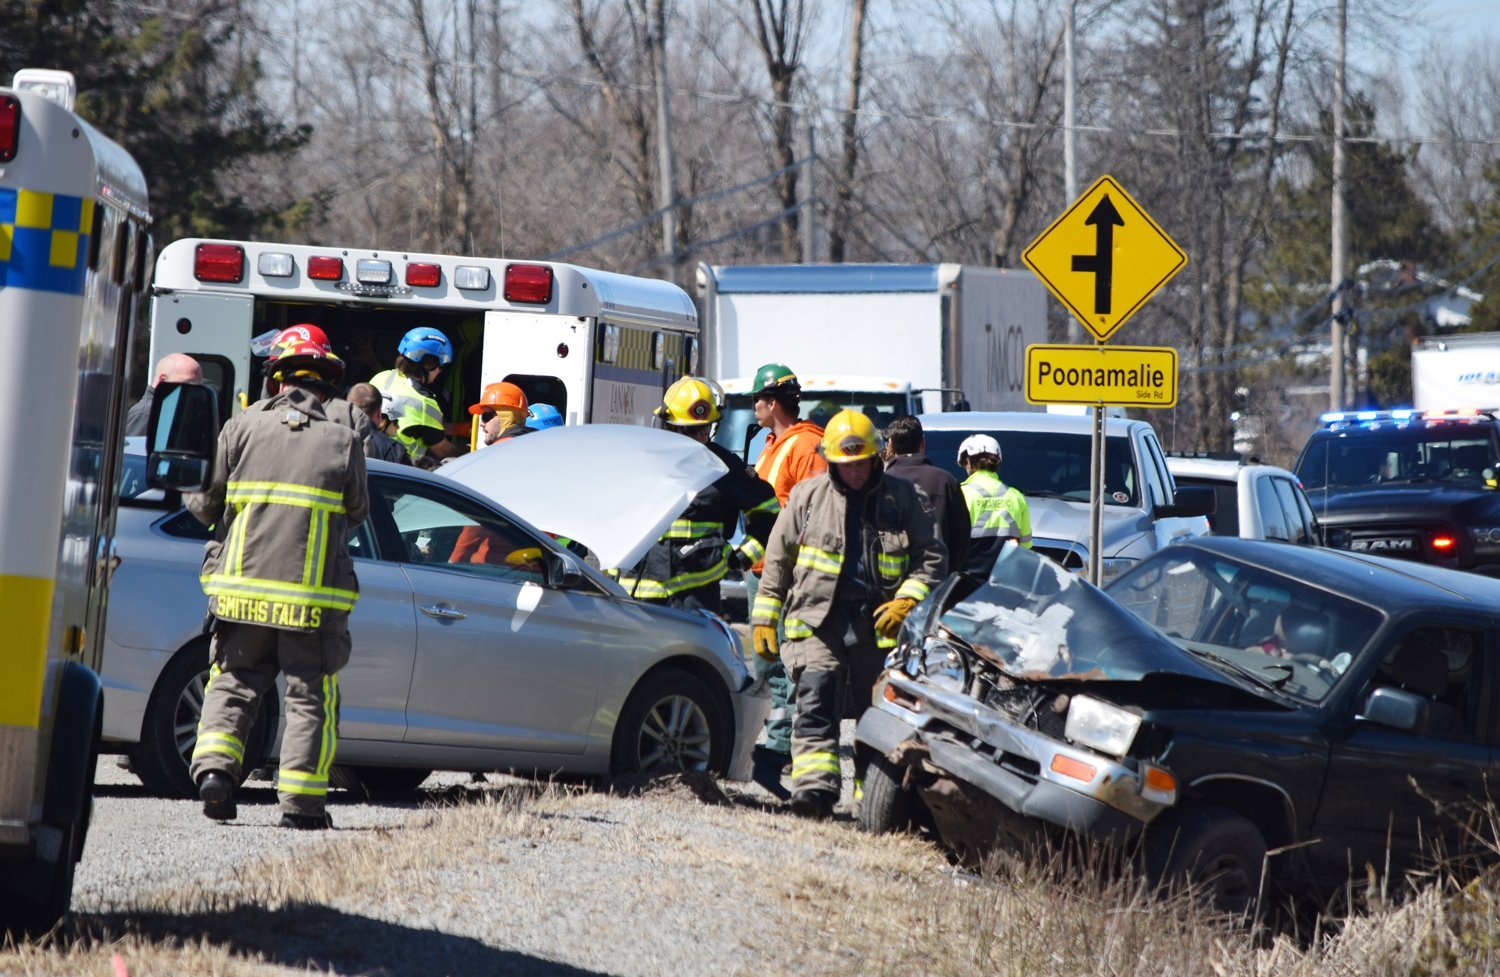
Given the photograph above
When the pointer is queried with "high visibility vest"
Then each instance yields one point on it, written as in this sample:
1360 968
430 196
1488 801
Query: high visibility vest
415 408
996 509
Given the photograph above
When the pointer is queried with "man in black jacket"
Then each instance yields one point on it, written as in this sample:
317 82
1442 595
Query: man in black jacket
905 457
683 568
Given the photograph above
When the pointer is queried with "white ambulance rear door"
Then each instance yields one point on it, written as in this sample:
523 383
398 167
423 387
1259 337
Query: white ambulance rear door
545 354
214 329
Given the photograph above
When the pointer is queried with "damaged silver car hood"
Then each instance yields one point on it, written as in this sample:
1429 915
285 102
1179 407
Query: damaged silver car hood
1035 621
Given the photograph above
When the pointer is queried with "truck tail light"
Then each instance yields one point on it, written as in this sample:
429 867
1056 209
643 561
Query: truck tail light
325 269
219 263
10 127
528 283
423 273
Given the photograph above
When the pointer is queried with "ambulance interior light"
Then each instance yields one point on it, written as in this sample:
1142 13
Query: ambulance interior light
10 127
528 283
218 262
423 273
372 271
325 268
274 264
471 278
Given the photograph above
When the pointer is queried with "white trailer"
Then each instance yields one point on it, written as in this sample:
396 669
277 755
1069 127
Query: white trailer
954 333
1462 370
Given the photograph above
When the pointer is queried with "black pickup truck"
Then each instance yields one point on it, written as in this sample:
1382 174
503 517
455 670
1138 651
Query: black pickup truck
1408 484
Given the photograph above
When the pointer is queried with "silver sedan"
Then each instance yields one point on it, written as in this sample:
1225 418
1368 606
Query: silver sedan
479 642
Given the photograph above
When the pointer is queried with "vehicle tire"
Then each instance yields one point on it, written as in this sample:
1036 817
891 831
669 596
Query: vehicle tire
170 728
670 722
1213 850
887 807
378 781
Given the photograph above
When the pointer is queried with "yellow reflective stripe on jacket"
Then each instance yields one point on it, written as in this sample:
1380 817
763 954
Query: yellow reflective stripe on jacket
301 782
797 629
771 505
885 644
891 565
782 451
816 762
687 529
235 585
210 743
913 588
812 558
283 493
661 589
766 610
752 549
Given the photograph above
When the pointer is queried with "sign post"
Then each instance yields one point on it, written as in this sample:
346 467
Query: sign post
1103 258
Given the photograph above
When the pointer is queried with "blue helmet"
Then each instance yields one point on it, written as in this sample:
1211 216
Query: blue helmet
539 417
426 341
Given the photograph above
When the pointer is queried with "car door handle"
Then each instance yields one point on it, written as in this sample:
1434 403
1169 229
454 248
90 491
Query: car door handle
444 613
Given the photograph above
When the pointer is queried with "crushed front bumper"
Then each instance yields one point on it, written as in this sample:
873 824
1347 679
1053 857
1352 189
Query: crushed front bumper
1029 773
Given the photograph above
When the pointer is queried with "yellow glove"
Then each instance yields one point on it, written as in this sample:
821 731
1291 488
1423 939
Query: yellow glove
763 639
888 616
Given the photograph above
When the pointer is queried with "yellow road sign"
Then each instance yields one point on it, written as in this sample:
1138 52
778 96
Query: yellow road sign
1104 257
1121 376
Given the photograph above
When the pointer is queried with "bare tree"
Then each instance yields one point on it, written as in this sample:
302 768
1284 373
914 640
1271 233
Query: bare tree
780 30
843 187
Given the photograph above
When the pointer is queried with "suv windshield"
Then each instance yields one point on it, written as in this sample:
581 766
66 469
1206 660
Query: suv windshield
1047 464
1248 621
736 425
1391 454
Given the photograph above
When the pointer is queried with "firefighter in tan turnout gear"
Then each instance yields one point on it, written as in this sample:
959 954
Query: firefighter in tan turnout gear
288 486
851 553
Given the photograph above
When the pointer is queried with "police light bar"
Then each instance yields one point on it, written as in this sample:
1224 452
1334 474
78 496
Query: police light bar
373 271
471 278
531 284
424 274
274 264
325 268
219 263
10 127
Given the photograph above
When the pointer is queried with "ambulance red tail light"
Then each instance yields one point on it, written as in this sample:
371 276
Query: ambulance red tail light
325 269
528 283
219 263
10 127
424 274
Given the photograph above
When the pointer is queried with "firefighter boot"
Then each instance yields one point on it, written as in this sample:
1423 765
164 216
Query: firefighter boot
216 791
815 805
307 822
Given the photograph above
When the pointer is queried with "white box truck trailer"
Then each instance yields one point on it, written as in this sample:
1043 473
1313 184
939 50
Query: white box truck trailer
1461 370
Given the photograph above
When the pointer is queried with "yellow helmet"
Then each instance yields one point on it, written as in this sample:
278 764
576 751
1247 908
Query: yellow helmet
689 402
849 436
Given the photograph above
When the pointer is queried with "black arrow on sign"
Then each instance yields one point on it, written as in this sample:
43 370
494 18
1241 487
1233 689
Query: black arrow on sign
1101 263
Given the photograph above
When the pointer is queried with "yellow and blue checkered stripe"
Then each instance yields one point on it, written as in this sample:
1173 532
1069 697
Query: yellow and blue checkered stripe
44 240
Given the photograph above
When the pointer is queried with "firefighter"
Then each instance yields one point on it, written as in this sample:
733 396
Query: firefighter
997 512
338 409
288 487
421 357
683 568
851 553
790 456
501 411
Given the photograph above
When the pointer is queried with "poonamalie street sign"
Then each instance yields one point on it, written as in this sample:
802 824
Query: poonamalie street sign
1120 376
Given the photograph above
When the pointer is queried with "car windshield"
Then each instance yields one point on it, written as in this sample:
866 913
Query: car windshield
736 427
1388 454
1034 620
1249 621
1047 464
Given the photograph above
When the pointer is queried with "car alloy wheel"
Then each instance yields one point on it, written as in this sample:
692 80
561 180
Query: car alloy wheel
670 722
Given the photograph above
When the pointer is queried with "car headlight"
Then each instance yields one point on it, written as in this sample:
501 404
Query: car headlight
1101 726
944 666
1486 539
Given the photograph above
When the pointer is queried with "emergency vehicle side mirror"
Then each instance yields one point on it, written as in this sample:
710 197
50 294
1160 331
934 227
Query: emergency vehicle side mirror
182 437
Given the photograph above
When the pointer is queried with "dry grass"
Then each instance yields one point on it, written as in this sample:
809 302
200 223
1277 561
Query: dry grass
521 879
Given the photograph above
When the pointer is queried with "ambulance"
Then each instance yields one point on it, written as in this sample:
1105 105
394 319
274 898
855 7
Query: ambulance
75 255
597 346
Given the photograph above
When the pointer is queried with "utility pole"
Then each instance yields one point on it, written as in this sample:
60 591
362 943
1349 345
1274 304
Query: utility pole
1336 275
810 208
1070 164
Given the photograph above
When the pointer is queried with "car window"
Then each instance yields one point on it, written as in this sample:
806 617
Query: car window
1299 528
1272 519
182 524
437 528
1441 665
1154 471
1047 464
1226 518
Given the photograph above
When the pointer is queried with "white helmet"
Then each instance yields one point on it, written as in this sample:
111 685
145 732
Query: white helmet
978 444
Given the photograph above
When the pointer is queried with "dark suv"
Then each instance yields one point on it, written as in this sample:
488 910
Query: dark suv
1408 484
1222 701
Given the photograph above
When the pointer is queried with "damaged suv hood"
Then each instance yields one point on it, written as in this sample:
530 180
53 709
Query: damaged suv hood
1036 621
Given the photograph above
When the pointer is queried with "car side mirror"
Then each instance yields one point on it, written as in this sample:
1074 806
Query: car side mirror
182 437
1396 709
1190 500
562 572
